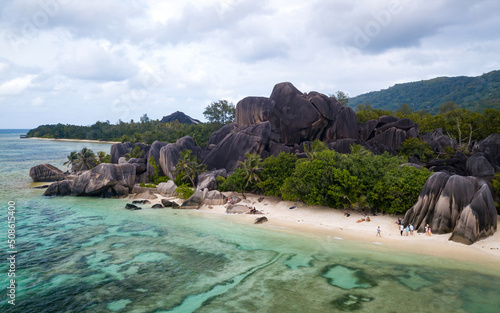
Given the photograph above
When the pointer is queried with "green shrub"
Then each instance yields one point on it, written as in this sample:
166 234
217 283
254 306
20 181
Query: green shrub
235 182
320 182
398 190
184 191
275 171
147 185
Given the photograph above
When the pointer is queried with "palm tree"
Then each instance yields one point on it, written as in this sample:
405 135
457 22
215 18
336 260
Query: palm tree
316 147
85 159
360 150
188 167
72 157
251 166
136 152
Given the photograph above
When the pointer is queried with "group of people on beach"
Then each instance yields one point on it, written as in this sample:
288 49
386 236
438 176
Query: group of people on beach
409 229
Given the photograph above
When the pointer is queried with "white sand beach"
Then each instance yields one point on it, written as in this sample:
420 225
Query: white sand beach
328 222
74 140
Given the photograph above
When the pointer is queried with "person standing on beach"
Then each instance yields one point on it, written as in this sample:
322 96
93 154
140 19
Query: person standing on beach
411 229
379 232
407 230
401 228
427 229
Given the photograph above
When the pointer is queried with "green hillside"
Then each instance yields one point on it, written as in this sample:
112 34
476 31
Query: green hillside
471 93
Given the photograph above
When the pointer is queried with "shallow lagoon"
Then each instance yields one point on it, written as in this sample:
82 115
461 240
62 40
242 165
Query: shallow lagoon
92 255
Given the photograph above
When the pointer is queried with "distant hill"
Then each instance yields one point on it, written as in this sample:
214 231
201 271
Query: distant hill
472 93
180 117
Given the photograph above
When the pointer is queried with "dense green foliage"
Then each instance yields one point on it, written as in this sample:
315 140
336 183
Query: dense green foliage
416 147
320 182
147 131
275 171
184 191
156 177
325 177
221 112
86 159
188 168
398 190
472 93
496 184
461 124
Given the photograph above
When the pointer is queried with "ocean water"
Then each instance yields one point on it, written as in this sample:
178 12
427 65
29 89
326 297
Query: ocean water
78 254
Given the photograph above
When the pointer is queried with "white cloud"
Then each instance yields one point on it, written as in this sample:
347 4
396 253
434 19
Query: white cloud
16 86
121 59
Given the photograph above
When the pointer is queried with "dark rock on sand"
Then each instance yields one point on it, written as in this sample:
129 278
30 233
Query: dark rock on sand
462 205
157 206
141 202
260 220
46 173
193 202
169 204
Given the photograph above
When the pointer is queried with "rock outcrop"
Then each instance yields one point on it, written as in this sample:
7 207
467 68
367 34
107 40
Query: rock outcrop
46 173
167 189
170 154
289 118
490 147
119 150
60 188
458 204
105 181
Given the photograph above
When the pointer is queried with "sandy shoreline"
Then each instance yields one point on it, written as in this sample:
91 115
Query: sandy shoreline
331 223
74 140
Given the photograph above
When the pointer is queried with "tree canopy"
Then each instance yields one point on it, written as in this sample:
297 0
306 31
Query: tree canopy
221 112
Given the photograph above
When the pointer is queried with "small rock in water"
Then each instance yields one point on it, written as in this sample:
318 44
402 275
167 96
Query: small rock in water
132 207
157 206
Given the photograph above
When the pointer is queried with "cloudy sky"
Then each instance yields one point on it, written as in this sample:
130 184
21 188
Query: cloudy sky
77 62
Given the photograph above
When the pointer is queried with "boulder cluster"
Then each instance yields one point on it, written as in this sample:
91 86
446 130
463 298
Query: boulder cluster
458 199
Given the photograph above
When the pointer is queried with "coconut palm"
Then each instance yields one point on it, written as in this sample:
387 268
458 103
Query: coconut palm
188 167
85 159
251 167
72 157
136 152
316 147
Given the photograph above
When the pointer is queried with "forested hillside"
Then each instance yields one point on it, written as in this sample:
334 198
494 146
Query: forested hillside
471 93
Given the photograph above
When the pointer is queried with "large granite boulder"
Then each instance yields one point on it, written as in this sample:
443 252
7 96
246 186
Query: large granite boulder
154 152
60 188
170 154
234 147
477 220
478 165
462 205
214 197
253 110
105 180
167 189
193 202
344 125
490 147
46 173
438 141
119 150
208 180
295 117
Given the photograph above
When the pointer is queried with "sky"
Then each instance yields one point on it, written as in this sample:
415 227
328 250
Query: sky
78 62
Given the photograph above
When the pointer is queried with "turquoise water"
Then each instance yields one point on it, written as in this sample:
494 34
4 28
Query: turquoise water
77 254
